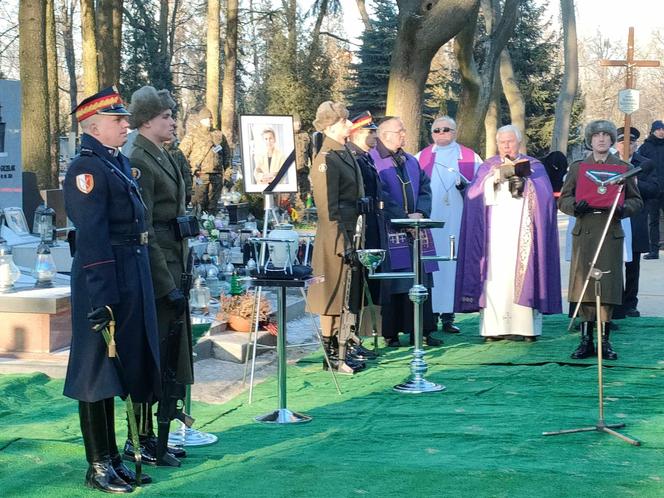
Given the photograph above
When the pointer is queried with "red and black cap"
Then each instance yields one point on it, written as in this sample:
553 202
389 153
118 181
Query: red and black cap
107 102
363 120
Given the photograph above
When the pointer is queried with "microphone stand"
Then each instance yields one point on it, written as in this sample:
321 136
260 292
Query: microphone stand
596 274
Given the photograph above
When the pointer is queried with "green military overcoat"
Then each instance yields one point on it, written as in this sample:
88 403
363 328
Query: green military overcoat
586 235
163 190
337 185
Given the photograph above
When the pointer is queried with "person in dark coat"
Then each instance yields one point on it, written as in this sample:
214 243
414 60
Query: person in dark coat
406 194
110 280
164 190
648 184
653 148
591 220
362 139
556 166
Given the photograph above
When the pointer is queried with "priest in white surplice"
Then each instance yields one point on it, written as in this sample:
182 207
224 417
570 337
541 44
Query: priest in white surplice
451 167
508 266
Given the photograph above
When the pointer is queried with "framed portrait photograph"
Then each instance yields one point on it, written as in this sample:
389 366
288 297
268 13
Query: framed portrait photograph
266 143
16 221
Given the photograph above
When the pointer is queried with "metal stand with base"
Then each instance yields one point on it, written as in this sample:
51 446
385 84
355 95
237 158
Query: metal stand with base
596 275
269 210
282 415
371 259
601 425
187 436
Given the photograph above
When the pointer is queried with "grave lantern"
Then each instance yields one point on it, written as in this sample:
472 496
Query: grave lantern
45 269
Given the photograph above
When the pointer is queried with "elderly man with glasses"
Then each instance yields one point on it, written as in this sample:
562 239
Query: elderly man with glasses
406 194
450 166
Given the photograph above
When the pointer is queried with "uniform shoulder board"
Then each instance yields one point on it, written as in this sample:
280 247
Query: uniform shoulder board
85 151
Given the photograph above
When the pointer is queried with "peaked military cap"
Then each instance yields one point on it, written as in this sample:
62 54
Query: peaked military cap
107 102
633 134
363 120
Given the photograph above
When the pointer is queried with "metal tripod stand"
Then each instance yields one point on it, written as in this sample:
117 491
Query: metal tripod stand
601 425
596 275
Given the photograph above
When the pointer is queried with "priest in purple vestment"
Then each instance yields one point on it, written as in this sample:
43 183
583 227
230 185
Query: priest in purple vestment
508 264
406 194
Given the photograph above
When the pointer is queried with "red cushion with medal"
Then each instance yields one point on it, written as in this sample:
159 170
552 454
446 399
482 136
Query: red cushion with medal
589 186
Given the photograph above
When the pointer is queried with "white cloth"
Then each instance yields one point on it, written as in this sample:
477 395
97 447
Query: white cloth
447 206
502 316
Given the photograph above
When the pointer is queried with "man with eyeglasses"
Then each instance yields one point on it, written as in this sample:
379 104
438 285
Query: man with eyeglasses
508 266
451 167
406 194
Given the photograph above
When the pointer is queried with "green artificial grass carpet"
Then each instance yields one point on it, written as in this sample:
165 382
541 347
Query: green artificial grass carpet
481 437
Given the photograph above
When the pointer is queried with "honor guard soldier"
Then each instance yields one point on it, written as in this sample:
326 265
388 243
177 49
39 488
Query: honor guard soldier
112 294
591 206
163 189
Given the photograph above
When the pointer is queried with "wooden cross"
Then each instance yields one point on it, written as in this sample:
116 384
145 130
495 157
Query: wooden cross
630 64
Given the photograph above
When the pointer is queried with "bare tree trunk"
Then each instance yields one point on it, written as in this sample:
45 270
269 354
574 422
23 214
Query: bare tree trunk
291 22
514 97
68 7
569 84
478 85
35 135
89 58
162 35
53 97
117 39
361 6
315 36
492 120
105 47
230 58
423 28
213 63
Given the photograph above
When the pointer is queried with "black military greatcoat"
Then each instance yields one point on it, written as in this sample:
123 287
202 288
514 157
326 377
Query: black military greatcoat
110 268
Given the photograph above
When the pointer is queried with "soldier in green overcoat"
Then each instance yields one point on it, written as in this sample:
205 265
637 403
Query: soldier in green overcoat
600 135
163 189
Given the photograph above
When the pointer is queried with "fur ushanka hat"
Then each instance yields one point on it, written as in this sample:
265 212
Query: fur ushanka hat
148 103
328 113
598 126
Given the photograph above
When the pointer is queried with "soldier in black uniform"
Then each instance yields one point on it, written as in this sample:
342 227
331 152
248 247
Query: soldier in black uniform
110 280
362 139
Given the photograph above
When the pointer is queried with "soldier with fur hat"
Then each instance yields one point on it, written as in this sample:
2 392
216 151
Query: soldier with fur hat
209 155
600 135
164 190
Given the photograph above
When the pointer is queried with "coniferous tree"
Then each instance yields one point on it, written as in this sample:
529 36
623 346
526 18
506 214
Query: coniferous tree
371 74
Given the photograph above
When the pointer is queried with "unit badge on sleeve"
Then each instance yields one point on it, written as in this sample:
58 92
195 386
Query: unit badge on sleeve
85 183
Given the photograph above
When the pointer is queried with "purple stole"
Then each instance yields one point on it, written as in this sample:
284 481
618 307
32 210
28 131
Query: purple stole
397 242
466 163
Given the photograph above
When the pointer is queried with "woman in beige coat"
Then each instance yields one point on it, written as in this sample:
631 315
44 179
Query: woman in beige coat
337 185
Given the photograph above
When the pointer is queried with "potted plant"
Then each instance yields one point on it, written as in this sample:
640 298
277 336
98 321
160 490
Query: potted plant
239 312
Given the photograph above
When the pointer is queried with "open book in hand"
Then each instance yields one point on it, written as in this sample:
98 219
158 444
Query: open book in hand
510 167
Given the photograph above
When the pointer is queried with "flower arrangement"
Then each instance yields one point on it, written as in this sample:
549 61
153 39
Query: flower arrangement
210 226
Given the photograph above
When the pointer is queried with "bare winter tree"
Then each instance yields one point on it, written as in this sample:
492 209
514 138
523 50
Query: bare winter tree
88 32
67 10
212 96
478 83
108 17
570 81
53 91
424 26
35 128
513 96
230 70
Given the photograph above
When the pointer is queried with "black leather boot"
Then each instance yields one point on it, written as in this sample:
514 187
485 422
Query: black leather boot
147 439
607 351
348 367
100 475
586 347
